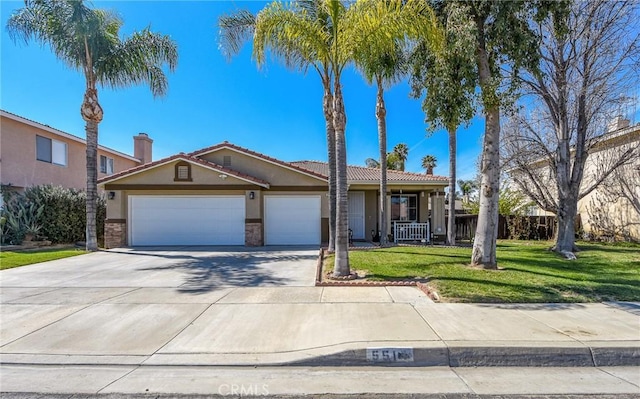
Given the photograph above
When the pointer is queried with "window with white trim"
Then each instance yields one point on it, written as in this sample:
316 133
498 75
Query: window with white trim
404 207
51 151
106 165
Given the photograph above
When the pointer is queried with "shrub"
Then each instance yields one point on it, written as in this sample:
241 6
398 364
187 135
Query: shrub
63 215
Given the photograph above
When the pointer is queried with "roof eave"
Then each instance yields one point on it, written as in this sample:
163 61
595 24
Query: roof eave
66 135
400 182
108 180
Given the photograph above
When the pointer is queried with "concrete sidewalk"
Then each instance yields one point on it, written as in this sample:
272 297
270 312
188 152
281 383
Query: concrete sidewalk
313 326
93 328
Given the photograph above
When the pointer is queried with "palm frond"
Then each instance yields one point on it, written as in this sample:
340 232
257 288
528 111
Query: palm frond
291 35
235 31
139 59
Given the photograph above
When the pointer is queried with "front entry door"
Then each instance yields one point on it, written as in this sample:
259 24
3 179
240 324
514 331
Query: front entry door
356 214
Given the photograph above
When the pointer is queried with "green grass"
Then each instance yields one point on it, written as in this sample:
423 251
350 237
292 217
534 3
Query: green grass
9 259
529 272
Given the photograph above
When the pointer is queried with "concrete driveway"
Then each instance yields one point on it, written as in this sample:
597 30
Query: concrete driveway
187 269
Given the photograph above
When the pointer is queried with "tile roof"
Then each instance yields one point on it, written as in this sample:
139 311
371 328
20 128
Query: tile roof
289 165
316 169
188 158
363 174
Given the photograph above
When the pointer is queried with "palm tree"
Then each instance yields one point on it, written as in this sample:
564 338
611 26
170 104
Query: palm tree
401 151
467 187
386 67
323 35
428 163
372 163
300 35
87 40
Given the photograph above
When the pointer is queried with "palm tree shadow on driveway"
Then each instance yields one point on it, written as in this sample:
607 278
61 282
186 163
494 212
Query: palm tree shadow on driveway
209 268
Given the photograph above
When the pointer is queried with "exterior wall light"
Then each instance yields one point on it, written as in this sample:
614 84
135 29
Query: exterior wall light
252 195
111 195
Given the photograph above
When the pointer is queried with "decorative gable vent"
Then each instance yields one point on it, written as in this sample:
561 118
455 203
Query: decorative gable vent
226 161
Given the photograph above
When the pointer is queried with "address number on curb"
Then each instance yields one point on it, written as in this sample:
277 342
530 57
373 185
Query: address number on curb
389 355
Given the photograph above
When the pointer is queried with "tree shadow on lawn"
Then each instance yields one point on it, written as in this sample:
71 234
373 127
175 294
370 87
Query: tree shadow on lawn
227 268
585 269
525 293
426 252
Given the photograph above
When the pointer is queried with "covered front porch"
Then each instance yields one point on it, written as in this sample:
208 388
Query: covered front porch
414 213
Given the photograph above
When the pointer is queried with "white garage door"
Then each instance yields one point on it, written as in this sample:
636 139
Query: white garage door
292 220
186 220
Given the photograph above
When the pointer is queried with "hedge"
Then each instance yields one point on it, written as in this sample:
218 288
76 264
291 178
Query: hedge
63 217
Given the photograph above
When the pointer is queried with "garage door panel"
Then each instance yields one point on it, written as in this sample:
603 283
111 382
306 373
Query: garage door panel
292 220
187 220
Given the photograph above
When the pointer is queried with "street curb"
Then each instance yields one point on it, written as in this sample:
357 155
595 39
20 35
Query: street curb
355 355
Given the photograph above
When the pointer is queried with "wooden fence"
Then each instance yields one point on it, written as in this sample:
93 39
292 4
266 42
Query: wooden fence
514 227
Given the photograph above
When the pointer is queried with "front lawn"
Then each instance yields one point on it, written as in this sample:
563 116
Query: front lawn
529 272
9 259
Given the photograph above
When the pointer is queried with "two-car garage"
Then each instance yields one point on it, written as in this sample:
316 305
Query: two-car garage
186 220
220 220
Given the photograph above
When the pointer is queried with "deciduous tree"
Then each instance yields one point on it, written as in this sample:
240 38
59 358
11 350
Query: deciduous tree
574 88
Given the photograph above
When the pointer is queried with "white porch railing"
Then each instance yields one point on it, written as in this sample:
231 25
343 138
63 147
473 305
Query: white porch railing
410 231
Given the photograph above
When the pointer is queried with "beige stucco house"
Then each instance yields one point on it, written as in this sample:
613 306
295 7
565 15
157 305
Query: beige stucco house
612 209
33 154
229 195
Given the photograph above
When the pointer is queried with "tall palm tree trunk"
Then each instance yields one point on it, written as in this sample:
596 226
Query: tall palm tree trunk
341 267
451 225
92 183
381 113
91 112
327 104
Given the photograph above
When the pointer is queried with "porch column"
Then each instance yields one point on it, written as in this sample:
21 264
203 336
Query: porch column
438 227
389 223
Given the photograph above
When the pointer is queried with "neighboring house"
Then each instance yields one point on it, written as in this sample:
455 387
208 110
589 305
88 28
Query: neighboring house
229 195
609 210
33 154
613 209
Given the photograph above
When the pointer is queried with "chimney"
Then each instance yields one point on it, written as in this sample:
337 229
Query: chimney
142 146
618 123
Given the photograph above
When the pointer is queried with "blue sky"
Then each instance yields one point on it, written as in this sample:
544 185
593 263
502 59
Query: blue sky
274 111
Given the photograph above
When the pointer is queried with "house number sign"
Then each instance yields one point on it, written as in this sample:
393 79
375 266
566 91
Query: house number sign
389 355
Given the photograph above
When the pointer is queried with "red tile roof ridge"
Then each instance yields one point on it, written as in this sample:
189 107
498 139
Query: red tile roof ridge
185 157
256 154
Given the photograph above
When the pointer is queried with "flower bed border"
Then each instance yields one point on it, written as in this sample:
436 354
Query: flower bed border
356 283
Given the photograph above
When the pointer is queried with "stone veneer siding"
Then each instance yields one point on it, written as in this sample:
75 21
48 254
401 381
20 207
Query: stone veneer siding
253 234
115 233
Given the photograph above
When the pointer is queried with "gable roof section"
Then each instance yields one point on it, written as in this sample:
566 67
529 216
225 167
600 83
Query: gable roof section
187 158
361 174
60 133
246 151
